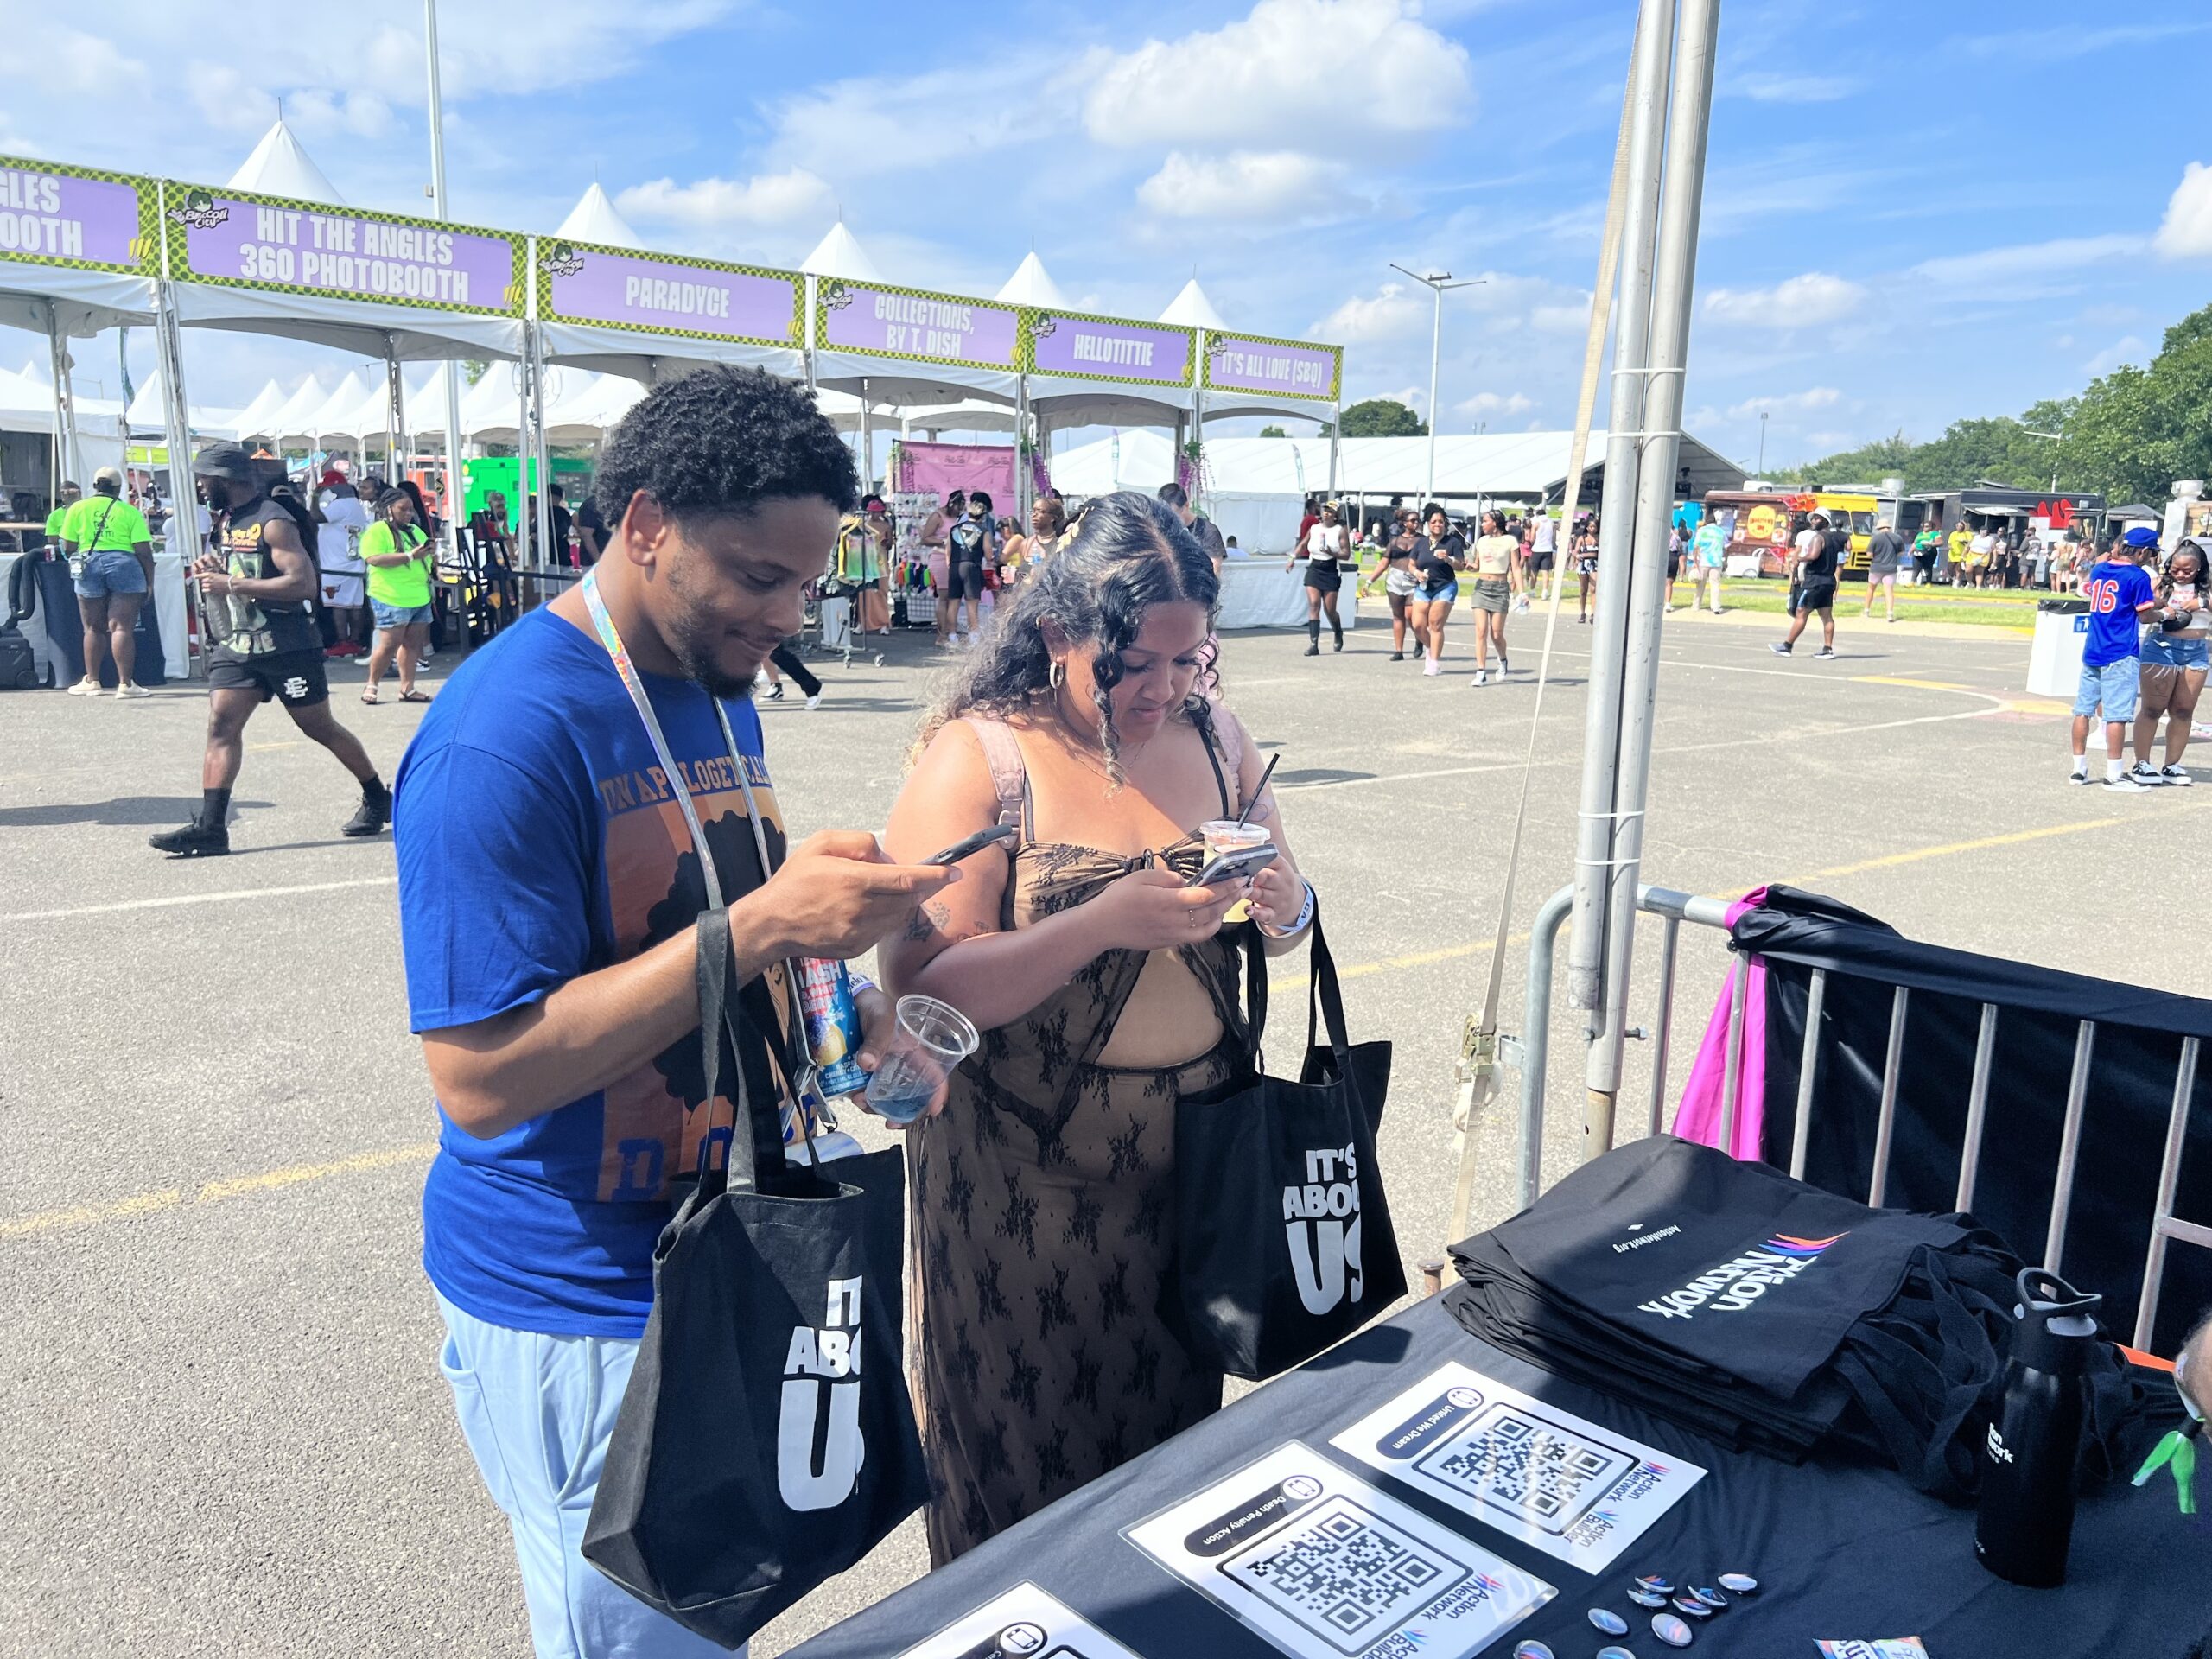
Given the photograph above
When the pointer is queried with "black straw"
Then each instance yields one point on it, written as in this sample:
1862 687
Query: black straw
1261 790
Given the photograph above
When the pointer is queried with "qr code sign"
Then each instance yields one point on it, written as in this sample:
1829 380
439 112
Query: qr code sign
1516 1461
1344 1574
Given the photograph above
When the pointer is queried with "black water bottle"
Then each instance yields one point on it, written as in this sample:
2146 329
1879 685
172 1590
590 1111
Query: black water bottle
2027 1467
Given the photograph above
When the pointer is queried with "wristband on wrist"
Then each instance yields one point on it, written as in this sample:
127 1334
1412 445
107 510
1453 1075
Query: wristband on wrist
1305 918
858 981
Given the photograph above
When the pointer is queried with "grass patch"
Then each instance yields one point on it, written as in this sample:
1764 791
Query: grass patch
1993 609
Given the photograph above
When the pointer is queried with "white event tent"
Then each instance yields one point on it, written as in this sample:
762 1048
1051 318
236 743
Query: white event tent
253 421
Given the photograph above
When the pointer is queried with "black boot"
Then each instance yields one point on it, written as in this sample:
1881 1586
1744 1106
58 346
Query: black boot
1313 639
195 840
374 812
1338 628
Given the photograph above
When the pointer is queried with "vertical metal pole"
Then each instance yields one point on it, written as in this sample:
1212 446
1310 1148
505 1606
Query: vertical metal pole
184 490
806 332
868 447
1435 350
1336 420
1809 1060
1670 940
1674 282
1644 115
1885 1125
1985 1054
68 447
455 495
395 413
2154 1265
1024 471
1731 1067
2070 1145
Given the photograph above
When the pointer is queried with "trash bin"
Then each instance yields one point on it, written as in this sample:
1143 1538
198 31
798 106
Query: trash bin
2055 658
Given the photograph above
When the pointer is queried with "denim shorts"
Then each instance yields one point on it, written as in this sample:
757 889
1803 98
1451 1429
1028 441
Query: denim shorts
2115 687
110 571
2177 651
399 616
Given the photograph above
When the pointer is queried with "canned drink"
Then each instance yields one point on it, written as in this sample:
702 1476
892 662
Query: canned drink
833 1025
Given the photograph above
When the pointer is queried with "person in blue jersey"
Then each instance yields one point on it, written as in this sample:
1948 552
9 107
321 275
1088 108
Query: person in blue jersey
552 816
2119 596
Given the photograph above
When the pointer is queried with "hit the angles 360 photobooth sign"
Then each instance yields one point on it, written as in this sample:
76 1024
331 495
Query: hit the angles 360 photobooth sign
240 240
74 216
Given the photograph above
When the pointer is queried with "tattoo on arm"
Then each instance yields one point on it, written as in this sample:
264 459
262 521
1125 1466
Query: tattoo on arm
932 918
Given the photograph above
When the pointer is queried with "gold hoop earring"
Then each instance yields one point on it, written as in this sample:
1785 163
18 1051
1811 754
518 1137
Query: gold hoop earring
1056 676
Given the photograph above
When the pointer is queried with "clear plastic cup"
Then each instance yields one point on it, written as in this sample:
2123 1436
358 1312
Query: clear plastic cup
1227 835
932 1038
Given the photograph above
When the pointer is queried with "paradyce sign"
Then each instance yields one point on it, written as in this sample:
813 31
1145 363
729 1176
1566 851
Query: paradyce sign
662 295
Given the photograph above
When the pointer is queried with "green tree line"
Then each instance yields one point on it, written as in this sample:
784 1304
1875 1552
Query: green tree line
2129 433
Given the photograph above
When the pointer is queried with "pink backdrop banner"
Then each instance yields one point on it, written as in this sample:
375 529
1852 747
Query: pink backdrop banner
944 467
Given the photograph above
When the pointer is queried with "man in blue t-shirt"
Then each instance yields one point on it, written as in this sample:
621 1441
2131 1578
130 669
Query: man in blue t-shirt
2119 596
549 892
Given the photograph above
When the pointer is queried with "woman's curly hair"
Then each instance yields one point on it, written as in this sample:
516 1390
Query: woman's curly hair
1126 554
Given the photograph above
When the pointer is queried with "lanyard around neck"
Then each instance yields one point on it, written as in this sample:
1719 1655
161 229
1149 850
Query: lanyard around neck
635 685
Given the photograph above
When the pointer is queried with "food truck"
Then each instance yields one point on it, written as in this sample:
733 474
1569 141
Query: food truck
1762 524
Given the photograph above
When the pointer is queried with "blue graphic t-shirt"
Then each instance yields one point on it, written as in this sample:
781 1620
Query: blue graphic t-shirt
539 842
2114 592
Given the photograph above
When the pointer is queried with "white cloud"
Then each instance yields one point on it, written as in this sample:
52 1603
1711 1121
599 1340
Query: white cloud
1394 313
868 125
1767 87
2027 259
767 199
1792 403
2126 349
1802 301
1561 319
1243 185
1490 404
1348 68
2186 231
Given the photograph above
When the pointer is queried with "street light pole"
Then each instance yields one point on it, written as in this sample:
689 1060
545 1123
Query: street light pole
2055 437
456 491
1761 471
1436 283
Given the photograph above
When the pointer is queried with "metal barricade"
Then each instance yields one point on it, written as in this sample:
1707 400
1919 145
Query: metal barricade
1675 908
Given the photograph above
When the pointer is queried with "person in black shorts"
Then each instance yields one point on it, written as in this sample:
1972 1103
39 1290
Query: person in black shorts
255 594
972 544
1812 587
1326 549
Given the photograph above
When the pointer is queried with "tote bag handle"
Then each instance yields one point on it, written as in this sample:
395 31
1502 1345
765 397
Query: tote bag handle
1325 997
720 1012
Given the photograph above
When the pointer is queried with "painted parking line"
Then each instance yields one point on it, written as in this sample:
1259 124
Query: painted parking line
267 1180
215 898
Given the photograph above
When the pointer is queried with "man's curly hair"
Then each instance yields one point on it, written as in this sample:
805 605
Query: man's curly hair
723 440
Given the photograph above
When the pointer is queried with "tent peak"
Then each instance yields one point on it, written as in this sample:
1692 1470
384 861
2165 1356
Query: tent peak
279 166
1192 308
1032 285
593 219
840 254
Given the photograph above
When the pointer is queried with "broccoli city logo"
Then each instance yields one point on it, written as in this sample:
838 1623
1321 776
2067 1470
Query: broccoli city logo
199 210
835 297
562 260
1735 1286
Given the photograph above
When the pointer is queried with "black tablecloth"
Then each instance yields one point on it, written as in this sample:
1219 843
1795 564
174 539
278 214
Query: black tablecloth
1838 1551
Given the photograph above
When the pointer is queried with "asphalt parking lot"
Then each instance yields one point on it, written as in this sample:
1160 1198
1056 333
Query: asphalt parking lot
225 1427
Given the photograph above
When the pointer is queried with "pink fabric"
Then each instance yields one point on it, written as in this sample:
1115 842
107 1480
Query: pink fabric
941 468
1698 1118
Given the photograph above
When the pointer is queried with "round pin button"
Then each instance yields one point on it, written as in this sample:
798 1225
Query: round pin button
1615 1653
1711 1599
1742 1583
1693 1606
1643 1598
1532 1650
1671 1630
1609 1621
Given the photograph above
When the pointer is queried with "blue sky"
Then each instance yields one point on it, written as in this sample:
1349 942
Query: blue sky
1914 213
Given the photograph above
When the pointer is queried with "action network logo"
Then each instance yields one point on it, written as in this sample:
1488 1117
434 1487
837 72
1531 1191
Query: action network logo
1321 1218
822 1369
1734 1286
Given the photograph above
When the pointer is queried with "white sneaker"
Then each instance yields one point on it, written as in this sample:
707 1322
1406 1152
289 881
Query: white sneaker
2081 777
86 688
128 689
2123 785
1482 676
2176 777
1433 667
814 701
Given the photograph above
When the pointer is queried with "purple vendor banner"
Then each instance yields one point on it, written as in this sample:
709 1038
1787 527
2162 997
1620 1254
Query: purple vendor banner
943 326
1238 363
590 285
357 255
1099 347
56 216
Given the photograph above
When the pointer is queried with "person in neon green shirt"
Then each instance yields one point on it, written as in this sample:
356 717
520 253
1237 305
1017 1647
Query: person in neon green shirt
398 554
70 496
110 553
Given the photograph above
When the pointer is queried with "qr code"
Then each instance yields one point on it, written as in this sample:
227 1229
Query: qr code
1344 1574
1516 1461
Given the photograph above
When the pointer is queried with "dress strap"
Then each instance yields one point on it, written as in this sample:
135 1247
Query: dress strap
1225 745
1009 771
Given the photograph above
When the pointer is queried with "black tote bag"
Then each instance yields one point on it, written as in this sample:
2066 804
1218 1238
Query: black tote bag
1286 1244
766 1441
